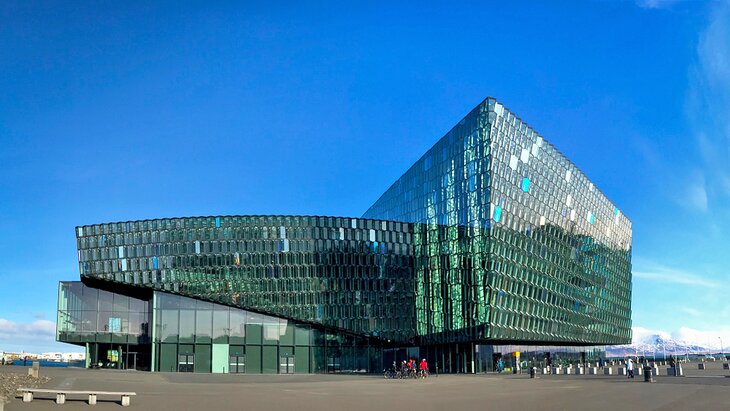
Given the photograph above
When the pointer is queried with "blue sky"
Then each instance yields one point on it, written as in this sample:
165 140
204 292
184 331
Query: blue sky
122 111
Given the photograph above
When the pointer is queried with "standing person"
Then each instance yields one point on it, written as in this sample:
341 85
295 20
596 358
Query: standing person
630 368
499 366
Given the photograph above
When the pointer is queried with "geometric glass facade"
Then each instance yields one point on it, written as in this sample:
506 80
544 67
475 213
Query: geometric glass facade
345 273
492 239
511 241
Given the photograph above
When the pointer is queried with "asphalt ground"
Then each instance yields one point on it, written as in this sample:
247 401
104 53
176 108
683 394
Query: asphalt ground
709 390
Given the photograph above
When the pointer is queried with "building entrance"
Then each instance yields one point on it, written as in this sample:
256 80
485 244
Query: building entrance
186 363
119 356
286 364
237 364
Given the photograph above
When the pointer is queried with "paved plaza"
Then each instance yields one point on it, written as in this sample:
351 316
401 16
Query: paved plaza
708 390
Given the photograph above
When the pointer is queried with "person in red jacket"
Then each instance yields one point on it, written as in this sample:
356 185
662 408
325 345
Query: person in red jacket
424 368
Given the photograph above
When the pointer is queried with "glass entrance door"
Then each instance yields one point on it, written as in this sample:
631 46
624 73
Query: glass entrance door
237 364
186 363
286 365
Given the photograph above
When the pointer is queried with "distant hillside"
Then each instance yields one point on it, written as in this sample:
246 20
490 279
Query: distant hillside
658 344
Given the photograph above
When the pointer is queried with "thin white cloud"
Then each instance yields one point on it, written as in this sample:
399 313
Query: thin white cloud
659 273
656 4
691 311
714 47
696 196
708 104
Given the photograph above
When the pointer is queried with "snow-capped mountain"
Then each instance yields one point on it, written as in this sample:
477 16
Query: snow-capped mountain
658 343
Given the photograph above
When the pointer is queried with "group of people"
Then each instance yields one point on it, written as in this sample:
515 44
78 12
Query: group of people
412 367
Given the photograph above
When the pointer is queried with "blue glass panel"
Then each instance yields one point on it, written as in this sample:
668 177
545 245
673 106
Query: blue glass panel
525 184
217 222
154 262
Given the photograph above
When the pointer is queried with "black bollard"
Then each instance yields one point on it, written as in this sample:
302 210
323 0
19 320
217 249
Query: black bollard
647 374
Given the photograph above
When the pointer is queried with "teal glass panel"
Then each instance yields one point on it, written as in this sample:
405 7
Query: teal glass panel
169 320
269 359
187 326
203 326
168 357
302 335
302 361
221 325
254 333
237 329
220 359
203 357
287 338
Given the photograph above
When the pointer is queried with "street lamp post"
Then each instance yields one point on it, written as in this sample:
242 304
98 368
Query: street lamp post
722 355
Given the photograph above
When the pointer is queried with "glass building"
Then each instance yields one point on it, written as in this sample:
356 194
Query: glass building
492 245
